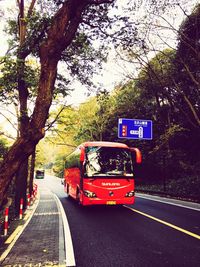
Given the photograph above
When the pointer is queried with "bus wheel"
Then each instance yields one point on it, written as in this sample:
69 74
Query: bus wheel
67 190
78 196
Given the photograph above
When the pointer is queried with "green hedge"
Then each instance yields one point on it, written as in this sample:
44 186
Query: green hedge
188 188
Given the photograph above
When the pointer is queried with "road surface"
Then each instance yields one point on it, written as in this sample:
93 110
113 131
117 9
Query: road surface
151 232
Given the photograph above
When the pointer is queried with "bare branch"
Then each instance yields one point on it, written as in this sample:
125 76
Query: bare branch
192 109
56 118
184 38
65 144
30 11
8 121
98 2
18 3
61 137
7 135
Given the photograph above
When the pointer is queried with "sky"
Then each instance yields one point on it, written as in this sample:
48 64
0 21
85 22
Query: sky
114 71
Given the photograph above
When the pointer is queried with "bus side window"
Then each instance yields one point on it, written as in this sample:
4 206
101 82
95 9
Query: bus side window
73 160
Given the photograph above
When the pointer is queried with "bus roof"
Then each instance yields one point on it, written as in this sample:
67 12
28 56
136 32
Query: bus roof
104 144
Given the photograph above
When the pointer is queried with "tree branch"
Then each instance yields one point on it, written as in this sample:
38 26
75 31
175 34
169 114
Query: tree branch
7 135
56 118
30 11
8 120
98 2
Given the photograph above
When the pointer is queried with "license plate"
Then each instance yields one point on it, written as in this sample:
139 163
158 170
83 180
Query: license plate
111 202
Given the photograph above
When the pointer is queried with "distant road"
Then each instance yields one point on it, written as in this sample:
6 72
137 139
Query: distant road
152 232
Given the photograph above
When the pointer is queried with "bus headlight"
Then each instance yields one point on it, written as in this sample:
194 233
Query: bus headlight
89 194
130 194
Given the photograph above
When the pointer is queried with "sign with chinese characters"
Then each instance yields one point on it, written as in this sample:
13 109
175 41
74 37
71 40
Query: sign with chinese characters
135 129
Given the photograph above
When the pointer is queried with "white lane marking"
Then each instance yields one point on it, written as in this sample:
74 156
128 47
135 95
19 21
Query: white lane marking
62 257
70 259
47 200
165 223
46 213
170 203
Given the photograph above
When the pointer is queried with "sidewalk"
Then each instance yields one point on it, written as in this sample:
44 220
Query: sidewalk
41 243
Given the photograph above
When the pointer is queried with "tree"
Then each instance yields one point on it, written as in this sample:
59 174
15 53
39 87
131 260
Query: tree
60 35
3 148
187 80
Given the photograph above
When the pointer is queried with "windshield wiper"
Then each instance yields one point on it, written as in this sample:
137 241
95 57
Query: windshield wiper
109 174
114 173
98 173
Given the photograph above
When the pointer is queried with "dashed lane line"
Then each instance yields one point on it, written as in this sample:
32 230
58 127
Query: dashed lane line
165 223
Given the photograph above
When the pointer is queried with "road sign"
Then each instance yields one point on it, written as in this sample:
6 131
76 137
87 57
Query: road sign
135 129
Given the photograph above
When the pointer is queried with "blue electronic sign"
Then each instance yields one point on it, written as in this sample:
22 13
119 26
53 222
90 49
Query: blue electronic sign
135 129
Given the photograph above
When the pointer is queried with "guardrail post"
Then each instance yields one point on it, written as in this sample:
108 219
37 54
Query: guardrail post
28 201
21 208
6 221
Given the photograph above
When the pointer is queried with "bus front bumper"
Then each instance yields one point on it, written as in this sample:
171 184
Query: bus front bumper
97 201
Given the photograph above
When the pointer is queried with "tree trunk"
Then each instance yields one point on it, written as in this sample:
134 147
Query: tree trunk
21 185
22 173
31 174
60 35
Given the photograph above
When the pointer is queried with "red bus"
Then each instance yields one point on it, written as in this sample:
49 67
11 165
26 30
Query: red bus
101 173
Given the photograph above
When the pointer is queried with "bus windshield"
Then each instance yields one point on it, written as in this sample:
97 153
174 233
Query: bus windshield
108 161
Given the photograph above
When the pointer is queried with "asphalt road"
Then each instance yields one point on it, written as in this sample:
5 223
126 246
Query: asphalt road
148 233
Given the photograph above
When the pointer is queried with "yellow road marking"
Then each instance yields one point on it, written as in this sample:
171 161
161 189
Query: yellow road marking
165 223
13 235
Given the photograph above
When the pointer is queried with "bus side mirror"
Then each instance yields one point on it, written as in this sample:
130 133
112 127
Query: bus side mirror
138 154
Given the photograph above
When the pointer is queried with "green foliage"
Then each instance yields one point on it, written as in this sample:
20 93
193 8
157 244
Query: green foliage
187 187
165 138
187 68
159 93
88 125
8 80
36 29
82 59
166 89
58 166
154 96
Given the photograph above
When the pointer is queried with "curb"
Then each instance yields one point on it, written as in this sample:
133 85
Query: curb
11 240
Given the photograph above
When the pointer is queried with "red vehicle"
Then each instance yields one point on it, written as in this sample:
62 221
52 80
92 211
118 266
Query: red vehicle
101 173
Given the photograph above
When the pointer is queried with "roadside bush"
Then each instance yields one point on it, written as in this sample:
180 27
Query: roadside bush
188 188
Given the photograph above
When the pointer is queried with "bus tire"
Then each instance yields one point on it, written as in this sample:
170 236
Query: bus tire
67 190
78 196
